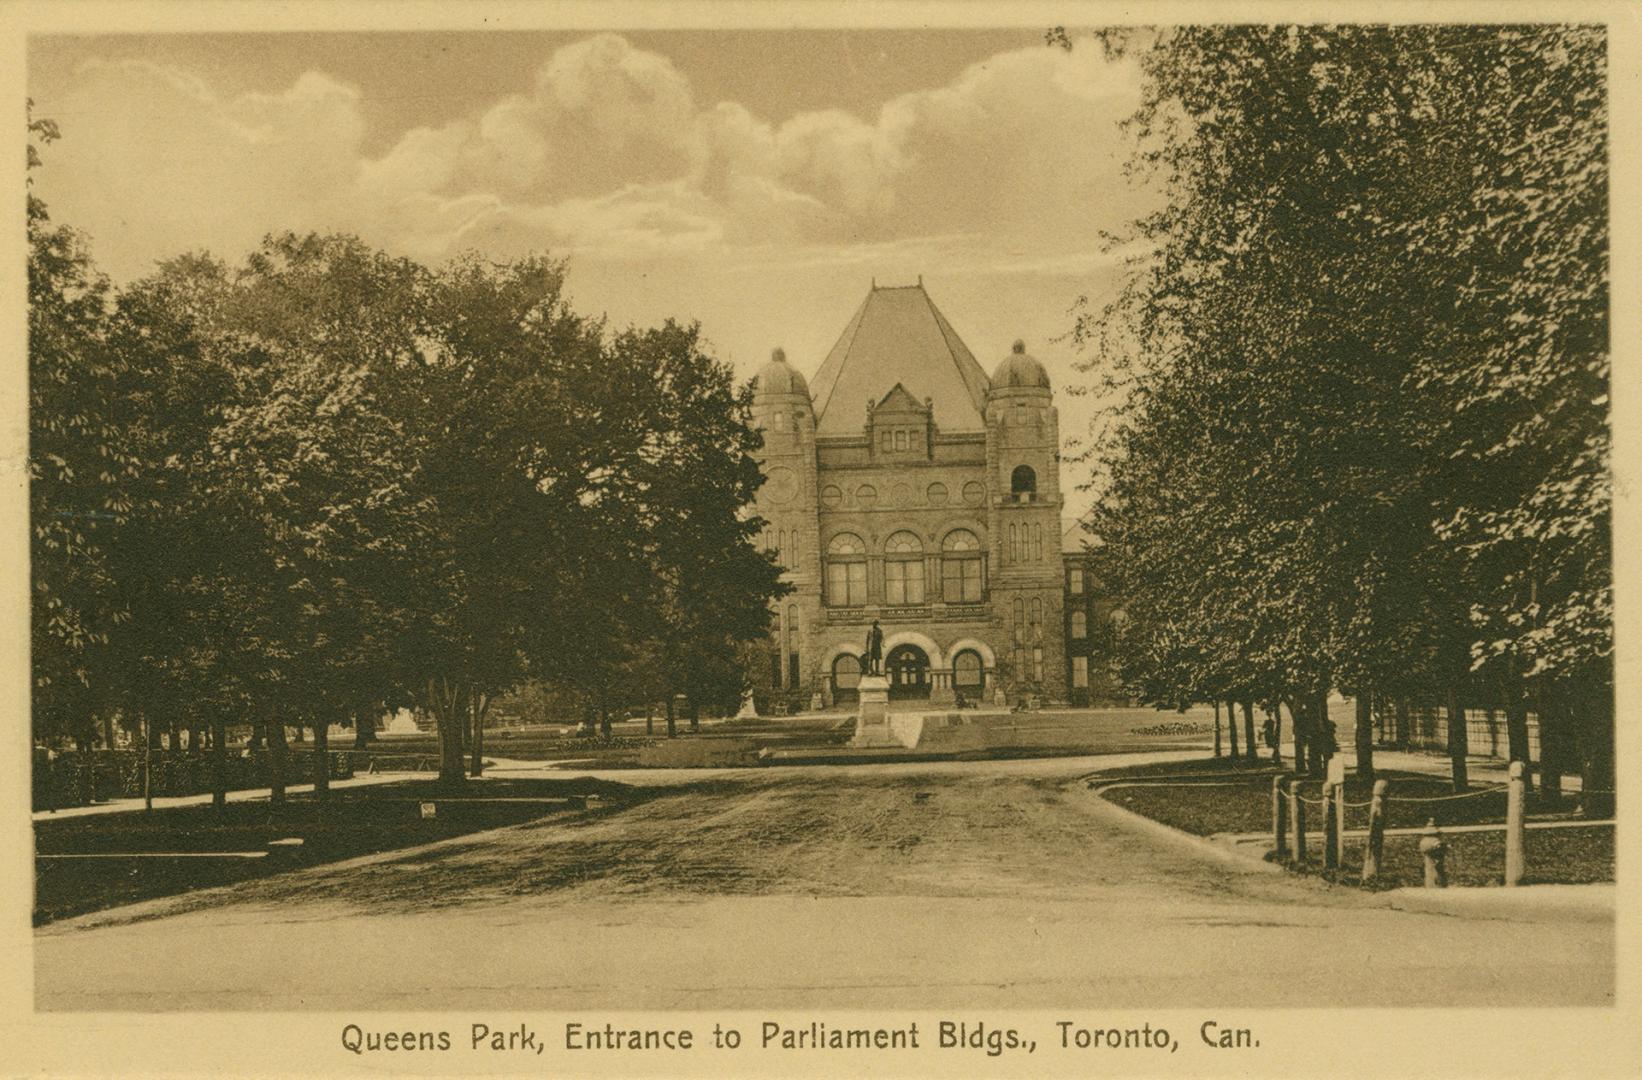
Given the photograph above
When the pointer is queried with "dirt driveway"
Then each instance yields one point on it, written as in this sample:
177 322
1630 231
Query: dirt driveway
1002 884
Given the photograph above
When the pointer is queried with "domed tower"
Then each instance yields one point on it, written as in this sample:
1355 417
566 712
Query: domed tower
787 502
1023 459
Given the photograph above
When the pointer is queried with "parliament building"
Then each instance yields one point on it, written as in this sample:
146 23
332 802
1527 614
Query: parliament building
905 484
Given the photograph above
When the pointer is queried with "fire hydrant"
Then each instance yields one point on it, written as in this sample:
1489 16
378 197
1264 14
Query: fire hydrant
1433 850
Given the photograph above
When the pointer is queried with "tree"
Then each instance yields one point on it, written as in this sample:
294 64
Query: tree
1359 300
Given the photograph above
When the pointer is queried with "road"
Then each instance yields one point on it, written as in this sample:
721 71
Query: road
974 884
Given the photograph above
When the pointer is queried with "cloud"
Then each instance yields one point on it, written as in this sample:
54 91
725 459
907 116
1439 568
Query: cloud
607 153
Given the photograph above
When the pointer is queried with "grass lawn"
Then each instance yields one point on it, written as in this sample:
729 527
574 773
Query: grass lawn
1214 795
351 822
1573 856
1207 804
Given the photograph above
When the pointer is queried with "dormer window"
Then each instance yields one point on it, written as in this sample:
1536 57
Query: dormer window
1023 482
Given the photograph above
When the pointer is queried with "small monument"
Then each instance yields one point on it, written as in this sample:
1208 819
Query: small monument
872 722
749 710
403 723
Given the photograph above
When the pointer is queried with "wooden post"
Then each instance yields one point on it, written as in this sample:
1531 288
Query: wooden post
1375 849
1297 815
1331 839
1515 795
1279 819
1433 850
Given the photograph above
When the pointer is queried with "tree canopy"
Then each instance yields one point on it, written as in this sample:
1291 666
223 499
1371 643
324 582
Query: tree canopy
1362 365
329 480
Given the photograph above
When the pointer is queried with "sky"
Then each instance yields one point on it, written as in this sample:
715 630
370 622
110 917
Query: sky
756 181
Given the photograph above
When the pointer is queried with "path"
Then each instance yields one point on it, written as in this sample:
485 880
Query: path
980 884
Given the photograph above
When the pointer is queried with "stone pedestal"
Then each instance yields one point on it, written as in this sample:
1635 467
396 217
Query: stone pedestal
940 687
749 711
872 721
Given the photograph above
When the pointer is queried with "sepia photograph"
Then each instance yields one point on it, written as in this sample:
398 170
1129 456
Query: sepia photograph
1033 543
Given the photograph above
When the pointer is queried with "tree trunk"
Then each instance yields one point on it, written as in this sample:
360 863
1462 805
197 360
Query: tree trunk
650 718
479 703
1551 719
219 764
88 766
173 736
1250 751
672 719
364 727
1297 725
1400 724
1324 743
148 763
322 757
446 704
1516 736
1231 729
196 737
604 721
1217 729
1596 798
1364 736
692 709
273 726
1457 743
108 730
1275 712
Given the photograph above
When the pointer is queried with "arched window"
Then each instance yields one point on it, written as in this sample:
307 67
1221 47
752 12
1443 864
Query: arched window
904 569
1035 619
1037 542
961 568
831 496
846 675
846 571
1014 546
1023 481
1080 625
793 639
967 670
1018 638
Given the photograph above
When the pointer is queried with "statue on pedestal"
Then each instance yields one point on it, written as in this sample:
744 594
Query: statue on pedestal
875 650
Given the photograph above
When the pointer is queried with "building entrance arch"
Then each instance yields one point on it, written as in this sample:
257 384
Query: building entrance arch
846 678
907 667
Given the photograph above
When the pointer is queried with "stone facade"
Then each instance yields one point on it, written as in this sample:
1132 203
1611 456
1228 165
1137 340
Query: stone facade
910 488
1092 620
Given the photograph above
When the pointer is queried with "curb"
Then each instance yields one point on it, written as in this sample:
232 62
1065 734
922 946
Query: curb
1522 903
1200 844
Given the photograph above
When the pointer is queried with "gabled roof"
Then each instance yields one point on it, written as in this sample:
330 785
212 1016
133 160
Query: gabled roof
899 400
897 336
